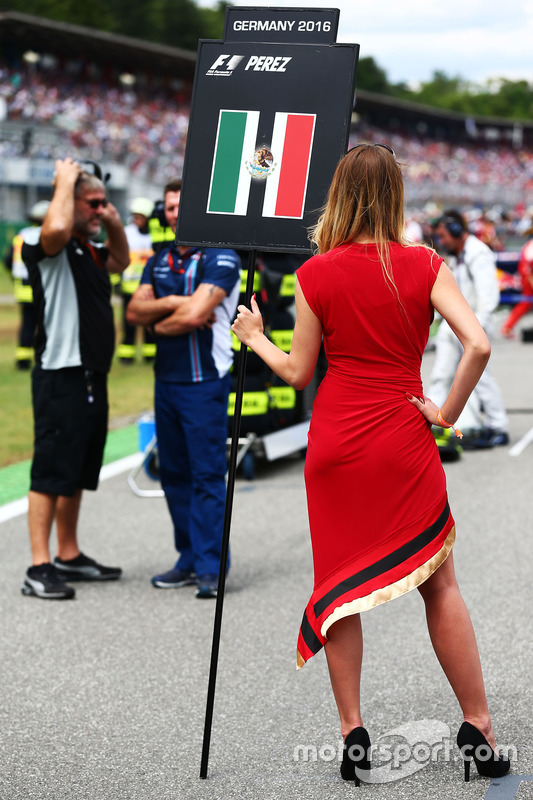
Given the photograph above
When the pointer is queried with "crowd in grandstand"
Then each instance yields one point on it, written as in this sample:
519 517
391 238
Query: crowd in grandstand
146 131
469 172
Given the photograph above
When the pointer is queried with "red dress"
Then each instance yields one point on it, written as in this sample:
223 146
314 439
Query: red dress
376 491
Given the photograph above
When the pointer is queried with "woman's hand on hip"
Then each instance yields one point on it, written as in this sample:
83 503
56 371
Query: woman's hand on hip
426 406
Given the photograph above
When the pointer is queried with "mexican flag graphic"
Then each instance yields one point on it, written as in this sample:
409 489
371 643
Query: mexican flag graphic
284 164
292 139
230 179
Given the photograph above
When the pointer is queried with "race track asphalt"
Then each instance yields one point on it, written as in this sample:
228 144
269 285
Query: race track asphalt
103 697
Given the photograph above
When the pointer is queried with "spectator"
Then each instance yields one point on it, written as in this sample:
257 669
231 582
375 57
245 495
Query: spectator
189 296
144 130
74 345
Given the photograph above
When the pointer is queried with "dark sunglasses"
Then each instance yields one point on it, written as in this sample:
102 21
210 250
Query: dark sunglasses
372 144
94 203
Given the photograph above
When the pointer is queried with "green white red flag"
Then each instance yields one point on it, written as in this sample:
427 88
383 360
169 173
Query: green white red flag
286 174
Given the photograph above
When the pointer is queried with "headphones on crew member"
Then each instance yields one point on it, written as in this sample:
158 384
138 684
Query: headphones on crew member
97 171
158 213
454 227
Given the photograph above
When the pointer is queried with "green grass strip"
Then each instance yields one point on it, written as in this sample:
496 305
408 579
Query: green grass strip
120 443
15 479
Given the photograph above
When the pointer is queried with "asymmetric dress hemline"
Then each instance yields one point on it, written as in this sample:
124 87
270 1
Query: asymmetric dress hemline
379 516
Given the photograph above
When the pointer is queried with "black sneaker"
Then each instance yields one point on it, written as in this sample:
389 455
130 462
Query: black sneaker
476 440
83 568
175 578
499 438
44 581
486 438
207 586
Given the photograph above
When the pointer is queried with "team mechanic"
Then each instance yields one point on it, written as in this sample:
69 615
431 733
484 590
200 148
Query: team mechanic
140 245
474 266
189 296
73 351
22 288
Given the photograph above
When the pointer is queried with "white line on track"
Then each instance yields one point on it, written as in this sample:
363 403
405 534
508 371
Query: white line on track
18 507
521 445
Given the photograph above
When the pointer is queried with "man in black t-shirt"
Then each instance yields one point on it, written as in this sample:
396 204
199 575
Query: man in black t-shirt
73 350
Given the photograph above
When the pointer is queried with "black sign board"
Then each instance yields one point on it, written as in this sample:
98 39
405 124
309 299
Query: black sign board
268 124
295 25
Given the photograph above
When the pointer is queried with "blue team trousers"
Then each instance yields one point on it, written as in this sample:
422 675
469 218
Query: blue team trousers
191 425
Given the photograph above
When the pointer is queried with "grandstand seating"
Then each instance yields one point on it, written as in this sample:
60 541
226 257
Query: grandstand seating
466 173
48 112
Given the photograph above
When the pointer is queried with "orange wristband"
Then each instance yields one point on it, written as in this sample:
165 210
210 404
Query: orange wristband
448 425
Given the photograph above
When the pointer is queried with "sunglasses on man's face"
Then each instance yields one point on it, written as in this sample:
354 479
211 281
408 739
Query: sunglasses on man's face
372 144
94 203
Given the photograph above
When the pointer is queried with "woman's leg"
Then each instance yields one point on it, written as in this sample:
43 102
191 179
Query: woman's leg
454 642
344 653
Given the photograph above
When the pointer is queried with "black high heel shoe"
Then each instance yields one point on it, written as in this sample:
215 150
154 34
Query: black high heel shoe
473 745
356 756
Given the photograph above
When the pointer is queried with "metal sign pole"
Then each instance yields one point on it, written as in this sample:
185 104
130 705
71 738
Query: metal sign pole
270 117
232 470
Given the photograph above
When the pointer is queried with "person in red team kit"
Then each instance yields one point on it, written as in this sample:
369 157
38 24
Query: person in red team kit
525 270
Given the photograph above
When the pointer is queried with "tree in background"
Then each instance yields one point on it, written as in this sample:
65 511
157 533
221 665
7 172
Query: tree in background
96 14
179 23
496 98
508 98
371 77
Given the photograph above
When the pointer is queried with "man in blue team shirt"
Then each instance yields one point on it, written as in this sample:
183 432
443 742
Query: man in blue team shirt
189 296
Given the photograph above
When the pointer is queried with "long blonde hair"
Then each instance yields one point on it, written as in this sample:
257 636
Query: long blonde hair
365 199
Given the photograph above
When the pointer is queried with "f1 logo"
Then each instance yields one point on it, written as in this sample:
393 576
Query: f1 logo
226 62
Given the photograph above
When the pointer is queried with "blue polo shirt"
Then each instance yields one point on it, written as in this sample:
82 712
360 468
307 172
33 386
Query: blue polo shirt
204 354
